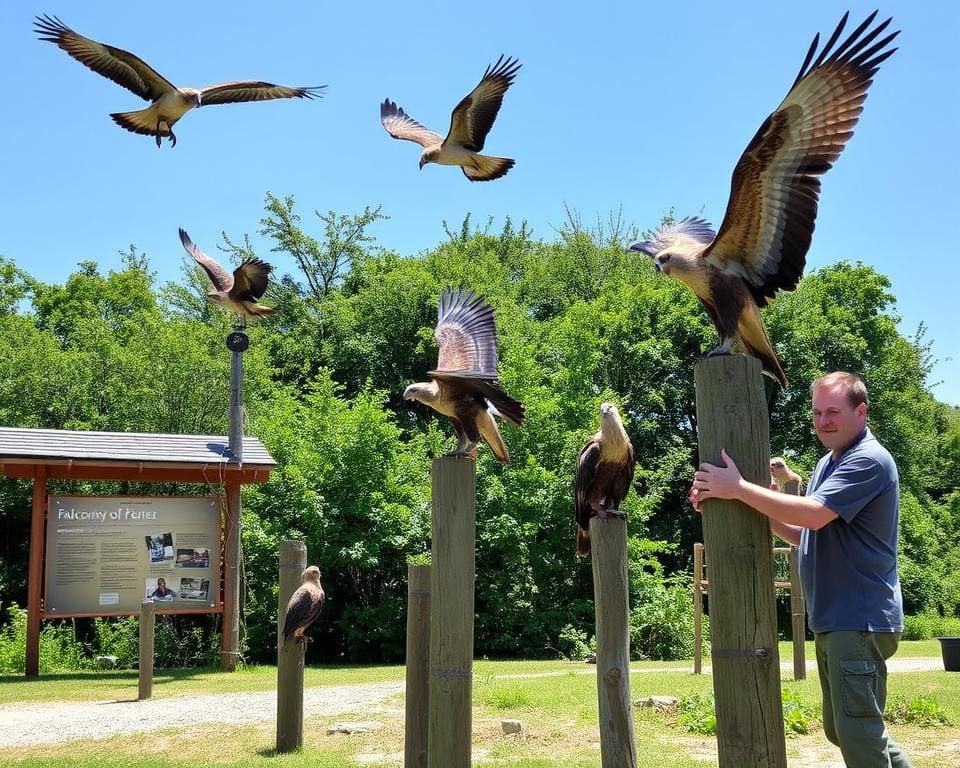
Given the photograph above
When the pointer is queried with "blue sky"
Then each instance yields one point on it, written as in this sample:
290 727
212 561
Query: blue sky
617 104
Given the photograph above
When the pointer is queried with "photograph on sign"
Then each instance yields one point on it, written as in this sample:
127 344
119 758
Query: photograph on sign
106 554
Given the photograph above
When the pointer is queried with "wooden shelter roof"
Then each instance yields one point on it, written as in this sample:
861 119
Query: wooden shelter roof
133 456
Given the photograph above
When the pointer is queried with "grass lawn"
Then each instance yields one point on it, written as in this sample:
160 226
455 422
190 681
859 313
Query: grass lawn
556 702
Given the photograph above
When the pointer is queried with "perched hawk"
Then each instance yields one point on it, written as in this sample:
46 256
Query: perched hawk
470 123
170 103
304 606
762 244
240 291
465 387
604 473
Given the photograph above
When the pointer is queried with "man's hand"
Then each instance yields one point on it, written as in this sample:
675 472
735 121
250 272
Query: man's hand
713 482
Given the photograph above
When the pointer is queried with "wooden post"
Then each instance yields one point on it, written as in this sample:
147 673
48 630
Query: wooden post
290 657
418 667
454 533
35 571
608 538
230 640
697 608
145 677
798 618
732 414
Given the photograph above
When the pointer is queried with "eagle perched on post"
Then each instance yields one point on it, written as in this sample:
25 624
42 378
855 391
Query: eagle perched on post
304 606
763 240
604 473
465 386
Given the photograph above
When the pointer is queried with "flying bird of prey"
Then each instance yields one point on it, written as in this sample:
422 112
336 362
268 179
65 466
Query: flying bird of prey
763 240
465 387
304 606
240 291
470 123
604 473
170 103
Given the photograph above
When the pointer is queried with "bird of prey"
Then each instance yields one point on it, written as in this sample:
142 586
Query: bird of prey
240 291
470 123
170 103
604 473
763 240
465 387
304 606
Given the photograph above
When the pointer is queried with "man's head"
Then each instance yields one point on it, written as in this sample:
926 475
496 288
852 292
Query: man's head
839 409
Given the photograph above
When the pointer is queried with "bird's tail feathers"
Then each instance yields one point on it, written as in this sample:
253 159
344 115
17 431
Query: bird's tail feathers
487 168
259 310
143 121
583 542
754 337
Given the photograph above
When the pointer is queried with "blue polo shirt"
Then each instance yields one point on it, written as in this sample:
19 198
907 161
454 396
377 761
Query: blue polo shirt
848 568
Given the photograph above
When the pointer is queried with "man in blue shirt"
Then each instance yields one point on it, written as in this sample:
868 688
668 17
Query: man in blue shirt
846 528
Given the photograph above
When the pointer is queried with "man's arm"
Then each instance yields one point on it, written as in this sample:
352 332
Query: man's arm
794 512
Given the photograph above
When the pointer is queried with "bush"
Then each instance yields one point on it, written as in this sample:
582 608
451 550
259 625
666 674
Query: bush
59 649
923 710
928 626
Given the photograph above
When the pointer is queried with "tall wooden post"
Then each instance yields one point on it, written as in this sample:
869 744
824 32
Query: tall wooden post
145 670
230 641
452 572
290 657
732 414
798 617
697 608
35 571
608 539
418 667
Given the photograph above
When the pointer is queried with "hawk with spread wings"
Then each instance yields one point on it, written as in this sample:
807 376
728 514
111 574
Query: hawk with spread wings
766 231
304 606
170 103
470 123
604 473
465 386
239 292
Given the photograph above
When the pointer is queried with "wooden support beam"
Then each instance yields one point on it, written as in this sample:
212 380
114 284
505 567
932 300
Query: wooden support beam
290 657
417 700
608 539
147 634
732 414
454 533
35 571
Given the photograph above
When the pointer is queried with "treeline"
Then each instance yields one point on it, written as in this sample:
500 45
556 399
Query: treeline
579 322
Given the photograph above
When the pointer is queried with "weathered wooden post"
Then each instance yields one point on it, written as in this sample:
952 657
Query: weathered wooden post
798 617
290 657
732 414
418 667
35 572
452 571
145 673
608 539
697 608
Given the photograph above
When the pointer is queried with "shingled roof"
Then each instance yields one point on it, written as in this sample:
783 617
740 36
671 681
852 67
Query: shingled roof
129 456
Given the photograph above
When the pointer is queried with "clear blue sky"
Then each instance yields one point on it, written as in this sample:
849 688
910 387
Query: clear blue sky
644 105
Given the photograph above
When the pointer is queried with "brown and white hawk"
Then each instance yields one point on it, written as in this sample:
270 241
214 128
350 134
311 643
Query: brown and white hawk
762 244
169 103
304 606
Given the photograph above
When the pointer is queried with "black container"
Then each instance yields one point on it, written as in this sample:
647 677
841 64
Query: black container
950 649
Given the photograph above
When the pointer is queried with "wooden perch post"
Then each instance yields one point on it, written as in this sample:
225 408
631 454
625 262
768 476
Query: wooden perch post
732 414
290 657
418 667
454 533
145 672
608 539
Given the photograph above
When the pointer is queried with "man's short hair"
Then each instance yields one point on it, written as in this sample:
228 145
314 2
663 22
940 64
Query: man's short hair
850 383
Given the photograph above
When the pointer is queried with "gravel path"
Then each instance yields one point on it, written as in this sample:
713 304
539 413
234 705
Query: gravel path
25 724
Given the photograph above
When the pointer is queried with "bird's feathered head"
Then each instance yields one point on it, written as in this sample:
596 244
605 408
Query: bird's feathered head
312 573
421 391
609 414
428 156
689 233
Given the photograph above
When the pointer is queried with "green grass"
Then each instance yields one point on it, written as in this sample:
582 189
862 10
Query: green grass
556 701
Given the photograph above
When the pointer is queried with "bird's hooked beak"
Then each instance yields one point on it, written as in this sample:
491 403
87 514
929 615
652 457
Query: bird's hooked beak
410 393
423 162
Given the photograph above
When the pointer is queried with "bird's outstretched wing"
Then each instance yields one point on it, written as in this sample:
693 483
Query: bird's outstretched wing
473 117
687 234
770 217
255 90
250 279
466 333
116 64
401 126
221 279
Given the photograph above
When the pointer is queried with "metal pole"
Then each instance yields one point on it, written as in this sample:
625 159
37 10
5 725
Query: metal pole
237 342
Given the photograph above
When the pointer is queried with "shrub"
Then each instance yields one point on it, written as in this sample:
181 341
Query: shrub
923 710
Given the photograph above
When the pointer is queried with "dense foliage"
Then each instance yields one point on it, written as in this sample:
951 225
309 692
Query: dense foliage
580 321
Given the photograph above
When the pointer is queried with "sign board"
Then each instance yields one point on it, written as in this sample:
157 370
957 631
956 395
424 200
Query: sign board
106 554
